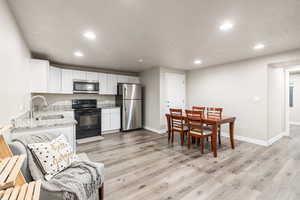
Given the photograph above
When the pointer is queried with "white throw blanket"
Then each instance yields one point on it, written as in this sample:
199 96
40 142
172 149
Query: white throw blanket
80 181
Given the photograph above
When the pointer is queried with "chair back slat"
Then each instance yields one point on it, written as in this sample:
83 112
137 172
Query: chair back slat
177 121
197 108
214 112
175 111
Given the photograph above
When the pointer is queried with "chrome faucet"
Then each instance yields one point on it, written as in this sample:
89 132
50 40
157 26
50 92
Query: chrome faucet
31 105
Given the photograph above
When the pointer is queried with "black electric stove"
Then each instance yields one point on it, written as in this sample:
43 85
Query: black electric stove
88 118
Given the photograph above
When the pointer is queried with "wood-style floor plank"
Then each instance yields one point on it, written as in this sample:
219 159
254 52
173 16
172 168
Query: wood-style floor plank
143 165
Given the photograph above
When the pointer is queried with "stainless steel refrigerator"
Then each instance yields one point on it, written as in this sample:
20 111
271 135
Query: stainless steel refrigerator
130 99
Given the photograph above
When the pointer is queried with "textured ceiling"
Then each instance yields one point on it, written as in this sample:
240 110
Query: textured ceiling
169 33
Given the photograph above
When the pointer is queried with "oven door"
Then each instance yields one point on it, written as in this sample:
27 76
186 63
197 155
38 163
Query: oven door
88 123
85 87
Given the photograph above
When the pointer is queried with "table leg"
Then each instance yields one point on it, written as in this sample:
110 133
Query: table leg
231 127
214 139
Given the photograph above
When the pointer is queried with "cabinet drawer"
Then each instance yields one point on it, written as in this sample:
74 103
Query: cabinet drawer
105 111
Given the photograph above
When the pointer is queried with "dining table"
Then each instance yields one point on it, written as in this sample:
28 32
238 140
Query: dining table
215 122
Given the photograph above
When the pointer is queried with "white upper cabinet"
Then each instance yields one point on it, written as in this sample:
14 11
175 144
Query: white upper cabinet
112 84
48 79
91 76
128 79
67 81
123 79
79 75
54 85
108 84
102 83
134 79
39 73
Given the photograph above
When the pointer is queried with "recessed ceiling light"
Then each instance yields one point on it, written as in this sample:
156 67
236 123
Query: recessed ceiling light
140 60
259 46
89 35
78 54
198 62
226 26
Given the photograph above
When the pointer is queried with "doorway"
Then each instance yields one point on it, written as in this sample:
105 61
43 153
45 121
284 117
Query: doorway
294 103
175 91
292 88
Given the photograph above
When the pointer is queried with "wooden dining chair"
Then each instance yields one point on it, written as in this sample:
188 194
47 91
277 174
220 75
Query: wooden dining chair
174 111
201 109
217 113
195 128
178 126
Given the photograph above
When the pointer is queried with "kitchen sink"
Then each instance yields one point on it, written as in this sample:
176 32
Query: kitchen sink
50 117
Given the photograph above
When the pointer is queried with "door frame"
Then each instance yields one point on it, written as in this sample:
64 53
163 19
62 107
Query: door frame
287 73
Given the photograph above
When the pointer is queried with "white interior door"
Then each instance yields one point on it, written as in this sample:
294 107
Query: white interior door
175 91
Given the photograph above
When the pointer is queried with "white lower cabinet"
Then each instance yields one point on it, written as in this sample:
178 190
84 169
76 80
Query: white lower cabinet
105 122
110 120
115 117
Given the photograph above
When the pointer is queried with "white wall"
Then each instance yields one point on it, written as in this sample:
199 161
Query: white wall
295 110
151 82
241 88
14 59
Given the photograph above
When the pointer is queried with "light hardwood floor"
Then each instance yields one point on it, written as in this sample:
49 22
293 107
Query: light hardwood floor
142 165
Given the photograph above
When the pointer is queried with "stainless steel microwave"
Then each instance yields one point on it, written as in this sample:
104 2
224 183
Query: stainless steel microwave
91 87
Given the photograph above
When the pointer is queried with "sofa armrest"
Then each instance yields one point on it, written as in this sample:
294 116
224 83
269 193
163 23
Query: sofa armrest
17 149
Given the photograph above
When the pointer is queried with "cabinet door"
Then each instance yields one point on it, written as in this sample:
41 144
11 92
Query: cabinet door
112 83
39 75
54 80
134 79
102 83
115 119
105 122
67 81
79 75
91 76
123 79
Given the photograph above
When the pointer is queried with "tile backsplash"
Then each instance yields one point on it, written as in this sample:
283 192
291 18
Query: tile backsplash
65 100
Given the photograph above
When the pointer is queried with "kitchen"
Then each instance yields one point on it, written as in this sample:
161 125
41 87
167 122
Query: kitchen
81 104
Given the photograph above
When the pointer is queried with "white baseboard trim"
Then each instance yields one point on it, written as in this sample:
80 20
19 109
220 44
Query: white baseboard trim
162 131
247 139
294 123
256 141
276 138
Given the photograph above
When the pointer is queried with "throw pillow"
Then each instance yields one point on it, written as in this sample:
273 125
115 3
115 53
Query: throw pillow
53 156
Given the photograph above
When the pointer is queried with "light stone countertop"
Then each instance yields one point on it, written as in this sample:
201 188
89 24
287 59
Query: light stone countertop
25 123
